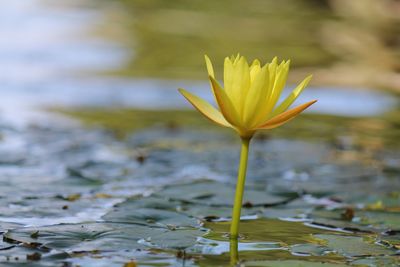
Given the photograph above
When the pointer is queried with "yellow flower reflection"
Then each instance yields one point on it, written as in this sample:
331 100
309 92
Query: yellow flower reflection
248 101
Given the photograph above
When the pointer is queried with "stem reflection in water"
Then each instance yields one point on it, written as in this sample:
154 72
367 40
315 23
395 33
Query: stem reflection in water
234 230
234 252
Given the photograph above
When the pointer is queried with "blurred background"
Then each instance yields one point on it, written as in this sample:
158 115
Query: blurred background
342 42
117 64
90 117
63 48
73 56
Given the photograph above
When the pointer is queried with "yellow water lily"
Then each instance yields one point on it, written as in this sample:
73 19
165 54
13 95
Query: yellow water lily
248 101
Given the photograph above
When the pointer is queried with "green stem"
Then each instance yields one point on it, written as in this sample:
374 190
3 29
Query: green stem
244 154
234 253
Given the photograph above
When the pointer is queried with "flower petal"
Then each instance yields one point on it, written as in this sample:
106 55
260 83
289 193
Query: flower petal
275 85
254 69
292 97
285 116
236 78
210 71
209 65
255 98
272 69
280 81
205 108
225 104
272 72
238 83
228 73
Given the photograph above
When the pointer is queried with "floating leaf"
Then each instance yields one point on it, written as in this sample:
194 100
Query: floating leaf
354 246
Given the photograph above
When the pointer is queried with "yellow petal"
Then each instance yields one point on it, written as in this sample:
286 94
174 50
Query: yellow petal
205 108
237 82
285 116
209 65
254 70
256 97
279 84
272 72
280 81
225 105
277 76
210 71
292 97
228 73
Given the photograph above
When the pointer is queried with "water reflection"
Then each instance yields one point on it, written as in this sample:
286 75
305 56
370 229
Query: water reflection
42 43
234 252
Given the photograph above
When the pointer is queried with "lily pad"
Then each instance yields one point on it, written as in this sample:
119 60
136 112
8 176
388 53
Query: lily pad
101 171
351 246
83 237
180 240
391 238
381 219
102 237
218 194
309 250
212 213
337 218
386 261
29 256
124 213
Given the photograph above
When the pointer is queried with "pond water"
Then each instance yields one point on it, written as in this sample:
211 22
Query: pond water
98 169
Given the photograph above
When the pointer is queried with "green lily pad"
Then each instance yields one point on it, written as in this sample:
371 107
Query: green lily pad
180 240
337 218
391 237
159 204
386 261
99 237
26 256
351 246
308 250
283 212
83 237
98 171
381 219
50 208
124 213
212 213
218 194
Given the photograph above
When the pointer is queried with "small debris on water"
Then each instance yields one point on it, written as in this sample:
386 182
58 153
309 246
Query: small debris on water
35 234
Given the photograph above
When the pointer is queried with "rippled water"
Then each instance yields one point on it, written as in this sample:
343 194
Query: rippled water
323 191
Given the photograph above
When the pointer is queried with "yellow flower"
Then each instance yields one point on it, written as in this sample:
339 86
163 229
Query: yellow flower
248 101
